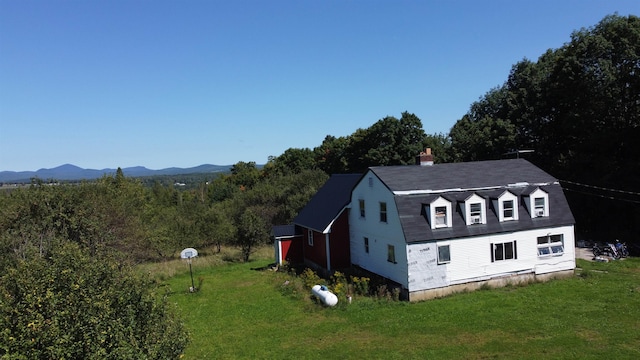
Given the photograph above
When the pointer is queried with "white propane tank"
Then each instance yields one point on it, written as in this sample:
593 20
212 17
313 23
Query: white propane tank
327 297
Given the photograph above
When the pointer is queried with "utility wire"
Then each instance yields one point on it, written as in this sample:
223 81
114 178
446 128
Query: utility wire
602 196
610 197
602 188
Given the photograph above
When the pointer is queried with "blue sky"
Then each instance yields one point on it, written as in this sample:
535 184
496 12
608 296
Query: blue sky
102 84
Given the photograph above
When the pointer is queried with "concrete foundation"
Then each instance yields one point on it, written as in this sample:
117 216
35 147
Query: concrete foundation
514 279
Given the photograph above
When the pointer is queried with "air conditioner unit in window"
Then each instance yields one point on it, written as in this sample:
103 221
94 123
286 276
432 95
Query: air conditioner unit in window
476 220
539 212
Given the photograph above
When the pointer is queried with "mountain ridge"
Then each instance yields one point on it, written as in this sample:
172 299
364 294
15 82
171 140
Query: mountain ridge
73 172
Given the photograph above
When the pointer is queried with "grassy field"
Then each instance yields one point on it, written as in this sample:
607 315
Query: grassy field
243 311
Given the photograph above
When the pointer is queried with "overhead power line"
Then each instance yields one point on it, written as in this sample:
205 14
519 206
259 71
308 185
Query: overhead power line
601 195
602 188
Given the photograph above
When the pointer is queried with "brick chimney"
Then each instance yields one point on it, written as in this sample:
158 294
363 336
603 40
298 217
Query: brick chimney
425 158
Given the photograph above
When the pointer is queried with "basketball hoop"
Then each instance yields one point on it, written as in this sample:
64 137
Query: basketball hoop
188 254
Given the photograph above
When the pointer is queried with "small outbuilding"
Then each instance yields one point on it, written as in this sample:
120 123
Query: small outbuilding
287 244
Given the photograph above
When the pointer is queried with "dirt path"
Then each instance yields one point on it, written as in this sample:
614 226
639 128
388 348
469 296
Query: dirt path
584 253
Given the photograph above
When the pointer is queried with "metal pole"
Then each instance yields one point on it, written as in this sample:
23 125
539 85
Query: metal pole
193 287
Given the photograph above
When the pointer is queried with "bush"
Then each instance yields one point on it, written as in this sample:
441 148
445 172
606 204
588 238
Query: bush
340 285
310 278
360 285
74 306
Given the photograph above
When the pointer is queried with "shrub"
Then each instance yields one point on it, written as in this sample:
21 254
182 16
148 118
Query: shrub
74 306
310 278
340 285
360 285
382 292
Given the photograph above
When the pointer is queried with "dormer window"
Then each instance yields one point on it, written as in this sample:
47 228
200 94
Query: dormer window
507 206
441 216
438 213
507 210
474 210
539 207
537 202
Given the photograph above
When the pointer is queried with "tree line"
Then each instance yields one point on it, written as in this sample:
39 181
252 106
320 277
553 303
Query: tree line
67 251
578 108
71 246
575 113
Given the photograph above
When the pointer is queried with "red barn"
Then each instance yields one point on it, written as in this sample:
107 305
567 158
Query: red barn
324 224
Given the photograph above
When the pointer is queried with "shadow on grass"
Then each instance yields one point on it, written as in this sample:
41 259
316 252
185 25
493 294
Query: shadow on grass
270 267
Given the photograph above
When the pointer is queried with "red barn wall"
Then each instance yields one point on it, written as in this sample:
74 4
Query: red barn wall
292 250
316 253
339 242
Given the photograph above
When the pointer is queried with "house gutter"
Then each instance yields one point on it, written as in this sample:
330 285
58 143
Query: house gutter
328 228
426 192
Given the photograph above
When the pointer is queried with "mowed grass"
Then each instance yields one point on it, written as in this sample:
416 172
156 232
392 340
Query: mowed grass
241 312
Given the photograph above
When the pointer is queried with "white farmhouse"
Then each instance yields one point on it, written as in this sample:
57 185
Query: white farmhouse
443 228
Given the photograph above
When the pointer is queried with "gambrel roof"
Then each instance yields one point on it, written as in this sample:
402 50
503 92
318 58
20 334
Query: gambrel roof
416 228
417 186
467 175
328 202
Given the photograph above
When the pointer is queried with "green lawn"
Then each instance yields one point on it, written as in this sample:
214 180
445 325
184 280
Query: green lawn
240 312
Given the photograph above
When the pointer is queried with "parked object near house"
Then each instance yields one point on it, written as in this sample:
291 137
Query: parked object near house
324 295
434 229
614 251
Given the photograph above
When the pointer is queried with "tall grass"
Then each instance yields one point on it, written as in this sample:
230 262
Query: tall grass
244 311
208 258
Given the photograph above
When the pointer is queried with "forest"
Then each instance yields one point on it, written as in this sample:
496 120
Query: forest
574 112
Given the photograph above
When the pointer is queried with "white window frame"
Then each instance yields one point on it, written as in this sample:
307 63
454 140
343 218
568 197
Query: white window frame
505 197
366 245
538 210
475 209
383 212
551 245
508 206
440 202
361 204
475 217
441 216
310 237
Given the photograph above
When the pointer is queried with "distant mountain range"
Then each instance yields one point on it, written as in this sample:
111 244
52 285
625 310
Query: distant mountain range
72 172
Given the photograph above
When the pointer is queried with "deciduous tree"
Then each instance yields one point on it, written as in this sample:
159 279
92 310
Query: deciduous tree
252 231
70 305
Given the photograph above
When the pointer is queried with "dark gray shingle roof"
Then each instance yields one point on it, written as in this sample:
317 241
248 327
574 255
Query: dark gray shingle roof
327 203
488 179
416 228
478 174
280 231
